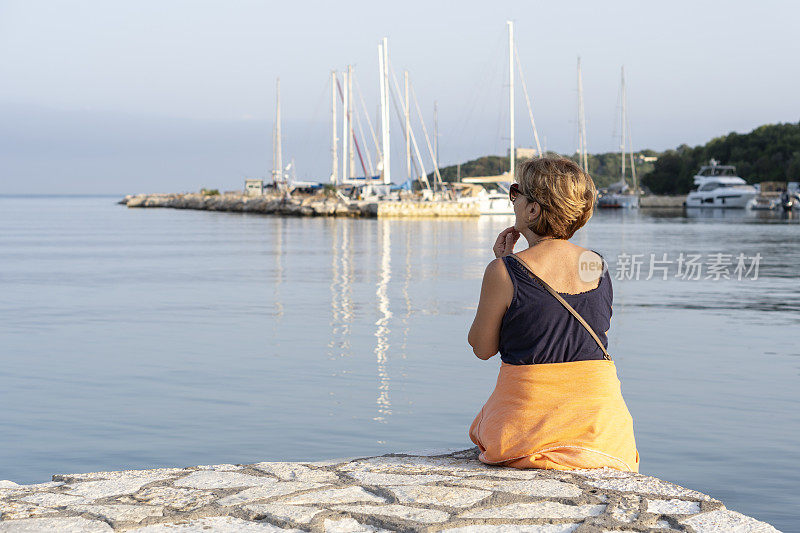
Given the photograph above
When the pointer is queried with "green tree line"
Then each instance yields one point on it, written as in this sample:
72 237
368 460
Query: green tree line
604 168
768 153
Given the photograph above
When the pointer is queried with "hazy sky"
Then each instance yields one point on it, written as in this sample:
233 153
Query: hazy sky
169 95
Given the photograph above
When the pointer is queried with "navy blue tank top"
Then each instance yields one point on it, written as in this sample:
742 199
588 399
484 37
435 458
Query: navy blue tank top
537 329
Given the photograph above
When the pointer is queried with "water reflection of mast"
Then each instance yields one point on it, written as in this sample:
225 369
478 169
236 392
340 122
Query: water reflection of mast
406 296
382 332
334 286
278 268
341 288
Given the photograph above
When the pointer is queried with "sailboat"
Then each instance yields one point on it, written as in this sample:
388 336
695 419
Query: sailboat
583 154
493 197
624 196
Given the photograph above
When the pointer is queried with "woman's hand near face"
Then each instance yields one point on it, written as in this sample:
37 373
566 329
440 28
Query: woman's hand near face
505 242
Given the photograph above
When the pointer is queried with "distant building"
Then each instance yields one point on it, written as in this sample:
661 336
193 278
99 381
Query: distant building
647 158
254 187
525 153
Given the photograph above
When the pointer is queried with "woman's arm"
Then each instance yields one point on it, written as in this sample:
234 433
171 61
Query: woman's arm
497 290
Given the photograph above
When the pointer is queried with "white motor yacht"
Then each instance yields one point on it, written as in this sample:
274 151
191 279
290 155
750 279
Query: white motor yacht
719 186
491 196
495 201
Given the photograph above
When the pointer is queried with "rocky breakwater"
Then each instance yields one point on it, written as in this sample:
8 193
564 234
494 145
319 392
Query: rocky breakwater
439 492
310 205
241 203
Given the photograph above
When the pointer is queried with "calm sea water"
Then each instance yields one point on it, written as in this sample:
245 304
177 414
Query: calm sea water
145 338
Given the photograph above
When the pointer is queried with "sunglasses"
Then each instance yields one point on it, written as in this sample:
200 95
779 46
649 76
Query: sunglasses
513 192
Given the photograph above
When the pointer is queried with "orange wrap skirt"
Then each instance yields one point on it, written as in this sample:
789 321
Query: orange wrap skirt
559 416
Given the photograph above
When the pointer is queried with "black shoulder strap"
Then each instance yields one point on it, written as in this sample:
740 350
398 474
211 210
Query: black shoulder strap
568 307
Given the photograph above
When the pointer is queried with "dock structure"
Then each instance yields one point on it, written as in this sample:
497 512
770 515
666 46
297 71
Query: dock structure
313 205
423 491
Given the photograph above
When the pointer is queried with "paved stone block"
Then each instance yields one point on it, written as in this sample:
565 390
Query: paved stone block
183 499
331 496
296 472
12 488
547 488
94 490
602 473
154 474
349 525
648 485
627 510
16 510
672 507
439 495
220 468
210 479
375 478
294 513
119 513
425 516
276 488
50 499
536 510
410 464
332 462
217 524
60 525
429 452
515 528
723 520
438 465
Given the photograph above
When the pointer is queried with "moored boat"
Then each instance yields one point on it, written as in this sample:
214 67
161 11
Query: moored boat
719 186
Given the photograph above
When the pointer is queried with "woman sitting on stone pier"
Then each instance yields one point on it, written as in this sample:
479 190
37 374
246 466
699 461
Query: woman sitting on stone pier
558 402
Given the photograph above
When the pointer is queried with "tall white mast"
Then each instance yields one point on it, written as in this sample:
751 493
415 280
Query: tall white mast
334 143
527 101
583 155
436 175
629 138
623 120
511 97
383 51
351 151
408 126
436 130
345 126
277 173
421 168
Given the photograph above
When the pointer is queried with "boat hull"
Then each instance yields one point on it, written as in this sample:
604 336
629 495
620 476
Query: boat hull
618 201
728 200
496 206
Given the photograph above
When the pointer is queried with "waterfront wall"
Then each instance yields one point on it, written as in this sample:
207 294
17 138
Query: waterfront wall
655 200
242 203
303 206
399 492
428 209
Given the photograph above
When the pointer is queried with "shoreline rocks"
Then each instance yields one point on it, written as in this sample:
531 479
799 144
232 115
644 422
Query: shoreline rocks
427 491
242 203
310 206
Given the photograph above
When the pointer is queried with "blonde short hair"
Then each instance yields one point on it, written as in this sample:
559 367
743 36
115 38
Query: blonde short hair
562 189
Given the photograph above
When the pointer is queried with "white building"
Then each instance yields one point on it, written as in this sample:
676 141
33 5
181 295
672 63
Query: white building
254 187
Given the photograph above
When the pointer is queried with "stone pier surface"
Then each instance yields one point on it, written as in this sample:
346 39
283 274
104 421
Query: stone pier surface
305 206
433 491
